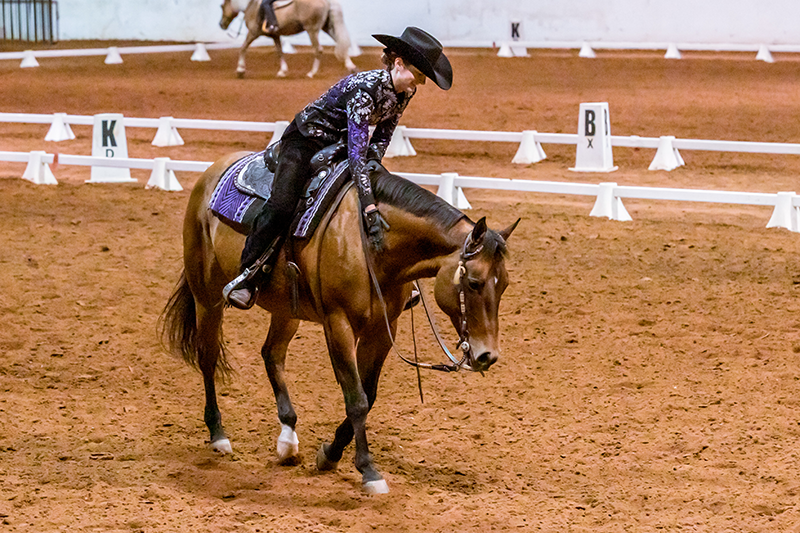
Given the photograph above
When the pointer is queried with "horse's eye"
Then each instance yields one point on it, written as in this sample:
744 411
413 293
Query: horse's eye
475 284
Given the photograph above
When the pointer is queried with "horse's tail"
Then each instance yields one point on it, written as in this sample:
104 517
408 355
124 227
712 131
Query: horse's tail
178 330
334 26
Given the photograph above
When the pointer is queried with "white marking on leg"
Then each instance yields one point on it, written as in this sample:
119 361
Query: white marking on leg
288 445
222 446
376 487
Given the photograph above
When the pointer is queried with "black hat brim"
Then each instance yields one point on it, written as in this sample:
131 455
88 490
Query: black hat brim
441 73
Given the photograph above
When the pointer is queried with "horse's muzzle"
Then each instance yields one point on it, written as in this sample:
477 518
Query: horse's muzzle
483 361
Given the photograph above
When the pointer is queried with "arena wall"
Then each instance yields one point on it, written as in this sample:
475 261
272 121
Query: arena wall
467 22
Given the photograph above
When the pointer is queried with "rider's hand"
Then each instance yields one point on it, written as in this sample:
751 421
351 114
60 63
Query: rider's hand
376 226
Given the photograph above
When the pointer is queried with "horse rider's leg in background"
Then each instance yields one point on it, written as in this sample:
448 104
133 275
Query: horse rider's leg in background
270 21
281 332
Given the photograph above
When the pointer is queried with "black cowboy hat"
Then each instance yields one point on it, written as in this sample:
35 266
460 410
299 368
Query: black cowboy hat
423 51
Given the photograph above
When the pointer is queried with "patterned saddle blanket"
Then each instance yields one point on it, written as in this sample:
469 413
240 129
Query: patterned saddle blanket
245 187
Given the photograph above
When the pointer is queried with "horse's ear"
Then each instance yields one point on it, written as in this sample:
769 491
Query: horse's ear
478 232
506 233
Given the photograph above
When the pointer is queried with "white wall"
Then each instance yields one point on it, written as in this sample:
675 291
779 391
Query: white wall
465 22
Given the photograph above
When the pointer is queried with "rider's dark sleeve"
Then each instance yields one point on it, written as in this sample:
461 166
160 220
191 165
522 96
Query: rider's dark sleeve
359 108
382 136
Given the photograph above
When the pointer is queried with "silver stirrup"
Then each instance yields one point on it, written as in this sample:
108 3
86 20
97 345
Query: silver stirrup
236 283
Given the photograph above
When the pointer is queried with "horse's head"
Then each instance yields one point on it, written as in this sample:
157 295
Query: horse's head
468 288
230 8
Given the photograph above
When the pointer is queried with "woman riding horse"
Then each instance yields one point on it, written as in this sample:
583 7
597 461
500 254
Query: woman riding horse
376 97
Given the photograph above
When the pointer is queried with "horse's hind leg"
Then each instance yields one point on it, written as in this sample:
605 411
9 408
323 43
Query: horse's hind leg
281 331
209 351
240 66
317 49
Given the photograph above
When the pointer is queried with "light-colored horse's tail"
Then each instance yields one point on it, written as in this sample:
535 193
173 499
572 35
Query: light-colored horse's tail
334 26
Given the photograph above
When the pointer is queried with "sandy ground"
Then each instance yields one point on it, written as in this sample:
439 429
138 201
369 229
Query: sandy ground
649 379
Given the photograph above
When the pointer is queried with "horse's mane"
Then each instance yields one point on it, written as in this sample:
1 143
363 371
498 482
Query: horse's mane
410 197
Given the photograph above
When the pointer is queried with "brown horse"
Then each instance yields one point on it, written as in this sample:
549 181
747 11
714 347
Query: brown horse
294 16
427 238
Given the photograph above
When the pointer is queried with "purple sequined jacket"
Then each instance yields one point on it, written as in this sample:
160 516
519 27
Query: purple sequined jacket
348 109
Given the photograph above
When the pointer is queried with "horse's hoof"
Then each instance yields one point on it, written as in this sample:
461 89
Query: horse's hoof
222 446
323 463
376 487
288 447
240 74
281 74
310 75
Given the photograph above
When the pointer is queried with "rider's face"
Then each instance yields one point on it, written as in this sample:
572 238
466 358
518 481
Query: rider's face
405 76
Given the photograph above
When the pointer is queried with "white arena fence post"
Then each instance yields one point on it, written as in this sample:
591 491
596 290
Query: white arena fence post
167 134
593 152
200 53
280 127
109 141
162 177
764 54
38 171
667 156
29 60
530 150
450 193
672 52
59 129
609 205
399 145
113 57
505 51
786 214
586 51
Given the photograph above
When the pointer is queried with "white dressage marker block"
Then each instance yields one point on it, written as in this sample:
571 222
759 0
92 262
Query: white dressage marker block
530 150
113 57
29 60
667 156
161 178
167 135
280 127
609 205
450 193
785 214
399 145
764 54
59 129
38 171
586 51
672 52
593 152
109 141
520 51
200 53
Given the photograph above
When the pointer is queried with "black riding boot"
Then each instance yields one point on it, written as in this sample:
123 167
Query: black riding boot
268 227
270 24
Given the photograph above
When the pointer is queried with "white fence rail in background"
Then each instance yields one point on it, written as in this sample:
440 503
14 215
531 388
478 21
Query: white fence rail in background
529 151
608 203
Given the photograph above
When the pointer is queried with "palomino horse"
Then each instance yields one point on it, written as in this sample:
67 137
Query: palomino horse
294 16
427 238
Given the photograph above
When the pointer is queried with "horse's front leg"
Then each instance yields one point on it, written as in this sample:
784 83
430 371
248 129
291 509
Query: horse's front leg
240 66
317 49
372 351
284 69
281 332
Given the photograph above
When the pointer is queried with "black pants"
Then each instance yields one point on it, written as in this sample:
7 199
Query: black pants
267 13
291 177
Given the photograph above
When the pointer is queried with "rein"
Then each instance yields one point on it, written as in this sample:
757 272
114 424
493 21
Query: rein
463 342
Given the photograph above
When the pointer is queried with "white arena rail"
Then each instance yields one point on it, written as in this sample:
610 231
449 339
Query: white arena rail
401 144
608 203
